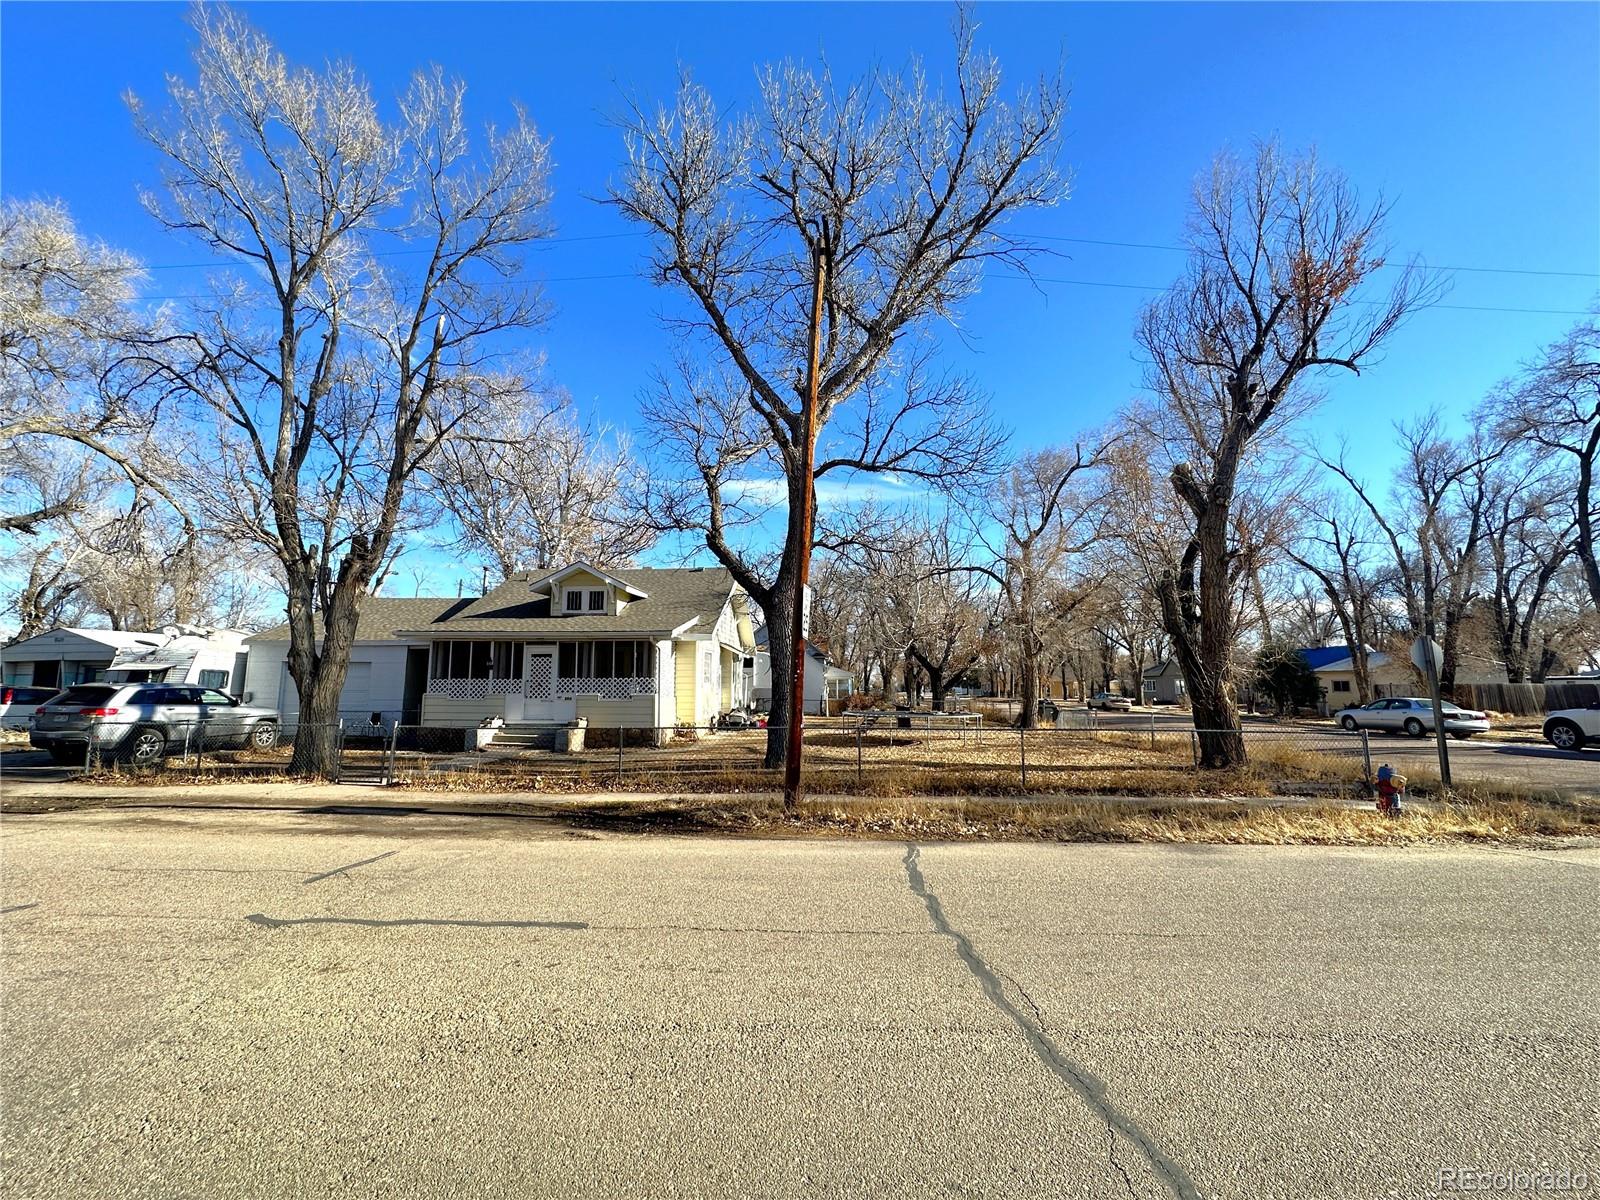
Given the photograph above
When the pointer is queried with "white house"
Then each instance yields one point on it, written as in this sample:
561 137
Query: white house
640 648
1335 669
176 654
827 685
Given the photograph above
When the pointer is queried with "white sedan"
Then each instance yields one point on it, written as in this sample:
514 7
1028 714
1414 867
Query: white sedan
1414 716
1572 728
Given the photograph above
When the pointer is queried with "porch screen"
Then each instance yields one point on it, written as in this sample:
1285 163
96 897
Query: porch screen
476 660
606 660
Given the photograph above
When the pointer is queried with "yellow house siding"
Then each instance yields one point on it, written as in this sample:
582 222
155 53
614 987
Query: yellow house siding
685 671
445 710
636 712
727 680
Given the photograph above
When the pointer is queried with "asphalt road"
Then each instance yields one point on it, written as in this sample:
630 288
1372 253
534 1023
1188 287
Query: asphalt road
1536 764
269 1003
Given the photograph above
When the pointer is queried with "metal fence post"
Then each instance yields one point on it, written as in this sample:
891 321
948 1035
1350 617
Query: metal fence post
858 755
391 764
1022 750
1194 746
1152 730
619 751
338 752
200 749
1366 755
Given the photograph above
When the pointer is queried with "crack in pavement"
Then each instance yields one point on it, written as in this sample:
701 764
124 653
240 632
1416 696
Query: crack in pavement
267 922
1091 1089
351 867
20 907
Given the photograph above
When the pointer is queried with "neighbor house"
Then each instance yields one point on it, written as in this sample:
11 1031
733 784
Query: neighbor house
1336 673
1162 683
827 689
639 648
174 654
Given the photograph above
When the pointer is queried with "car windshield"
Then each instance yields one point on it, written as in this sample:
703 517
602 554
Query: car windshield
90 695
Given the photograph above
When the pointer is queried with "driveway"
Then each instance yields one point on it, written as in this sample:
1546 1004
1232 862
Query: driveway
264 1003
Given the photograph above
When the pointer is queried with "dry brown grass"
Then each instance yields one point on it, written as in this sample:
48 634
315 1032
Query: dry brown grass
1210 822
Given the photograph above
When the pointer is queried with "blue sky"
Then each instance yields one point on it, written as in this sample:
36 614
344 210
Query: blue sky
1480 122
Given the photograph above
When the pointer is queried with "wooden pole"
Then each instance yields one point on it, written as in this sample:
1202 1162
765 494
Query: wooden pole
808 445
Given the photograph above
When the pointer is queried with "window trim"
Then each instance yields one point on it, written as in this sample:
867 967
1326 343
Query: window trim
597 600
572 603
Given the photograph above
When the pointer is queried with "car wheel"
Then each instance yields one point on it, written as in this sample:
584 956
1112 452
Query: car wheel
1564 735
1349 723
1414 727
264 736
64 756
144 747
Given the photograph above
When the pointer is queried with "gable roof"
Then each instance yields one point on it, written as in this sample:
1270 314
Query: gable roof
112 639
1321 657
1160 669
382 616
540 583
676 599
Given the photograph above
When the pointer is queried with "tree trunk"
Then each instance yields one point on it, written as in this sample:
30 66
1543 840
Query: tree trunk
780 645
318 667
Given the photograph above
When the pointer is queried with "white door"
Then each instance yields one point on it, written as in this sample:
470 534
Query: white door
539 701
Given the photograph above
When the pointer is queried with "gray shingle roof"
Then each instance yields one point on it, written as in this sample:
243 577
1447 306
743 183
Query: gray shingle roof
677 595
381 616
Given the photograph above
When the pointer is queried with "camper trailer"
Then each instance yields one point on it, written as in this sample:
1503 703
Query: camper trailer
212 658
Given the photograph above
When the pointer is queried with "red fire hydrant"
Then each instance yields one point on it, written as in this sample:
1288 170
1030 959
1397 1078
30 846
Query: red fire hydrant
1391 789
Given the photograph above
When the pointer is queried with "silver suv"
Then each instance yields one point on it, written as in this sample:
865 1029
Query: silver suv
140 723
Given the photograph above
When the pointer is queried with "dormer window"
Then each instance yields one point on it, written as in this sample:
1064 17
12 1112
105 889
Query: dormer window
574 602
597 602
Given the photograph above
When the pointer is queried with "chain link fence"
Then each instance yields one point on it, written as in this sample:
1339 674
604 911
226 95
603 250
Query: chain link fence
880 752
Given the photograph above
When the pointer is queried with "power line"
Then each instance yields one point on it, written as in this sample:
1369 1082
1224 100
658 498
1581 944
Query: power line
1045 237
1150 287
1093 283
1038 237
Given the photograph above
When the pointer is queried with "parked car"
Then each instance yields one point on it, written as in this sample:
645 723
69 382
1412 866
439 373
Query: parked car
142 722
1111 701
1572 728
1414 716
17 704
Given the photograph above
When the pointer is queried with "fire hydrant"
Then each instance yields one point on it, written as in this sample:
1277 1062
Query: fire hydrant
1391 790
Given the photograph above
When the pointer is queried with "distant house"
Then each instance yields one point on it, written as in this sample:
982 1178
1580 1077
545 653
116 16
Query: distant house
827 686
640 648
1336 673
1162 683
174 654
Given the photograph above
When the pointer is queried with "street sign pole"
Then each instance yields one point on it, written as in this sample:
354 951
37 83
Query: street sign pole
1426 653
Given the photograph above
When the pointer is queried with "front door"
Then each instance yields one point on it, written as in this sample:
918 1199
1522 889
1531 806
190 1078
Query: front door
539 702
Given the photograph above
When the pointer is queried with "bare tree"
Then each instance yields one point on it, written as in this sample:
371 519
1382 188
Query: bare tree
66 305
1277 248
1433 525
532 487
1555 406
1045 511
1529 533
1336 549
815 238
378 263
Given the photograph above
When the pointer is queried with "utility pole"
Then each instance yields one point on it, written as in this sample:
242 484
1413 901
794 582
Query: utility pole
808 498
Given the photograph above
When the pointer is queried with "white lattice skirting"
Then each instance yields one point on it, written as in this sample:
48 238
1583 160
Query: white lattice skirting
474 689
607 689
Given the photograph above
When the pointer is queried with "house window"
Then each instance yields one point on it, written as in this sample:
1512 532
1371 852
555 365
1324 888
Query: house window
214 679
574 601
1341 685
597 602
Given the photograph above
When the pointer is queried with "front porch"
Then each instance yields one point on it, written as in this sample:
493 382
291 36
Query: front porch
611 681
